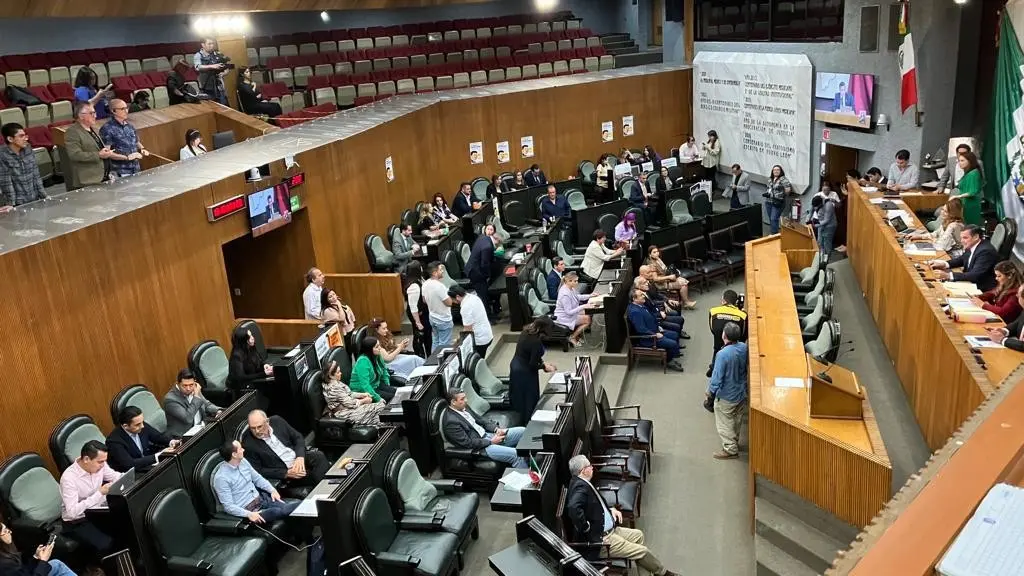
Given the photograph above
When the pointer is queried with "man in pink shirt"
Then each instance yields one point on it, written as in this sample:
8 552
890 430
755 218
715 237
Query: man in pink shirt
85 485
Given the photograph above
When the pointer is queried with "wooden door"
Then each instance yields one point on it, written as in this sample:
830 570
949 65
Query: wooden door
657 22
839 159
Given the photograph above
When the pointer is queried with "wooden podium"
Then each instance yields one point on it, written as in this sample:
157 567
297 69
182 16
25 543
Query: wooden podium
837 394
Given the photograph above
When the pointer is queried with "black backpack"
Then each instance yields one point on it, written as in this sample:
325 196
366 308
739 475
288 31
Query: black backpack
19 96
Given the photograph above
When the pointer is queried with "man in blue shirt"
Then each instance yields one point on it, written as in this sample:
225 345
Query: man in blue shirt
729 388
242 492
555 206
555 277
123 140
646 332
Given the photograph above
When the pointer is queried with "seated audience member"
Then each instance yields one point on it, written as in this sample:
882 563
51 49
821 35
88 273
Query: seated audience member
951 223
311 298
534 176
740 185
519 183
689 152
440 213
246 364
554 278
20 182
595 523
185 406
119 134
464 202
1012 336
625 230
370 374
728 387
664 279
474 318
595 257
278 452
639 197
464 429
88 154
671 305
243 493
177 92
903 174
1002 299
84 485
604 175
650 334
193 145
626 156
649 155
426 226
554 206
14 563
406 248
571 306
978 261
87 91
140 102
495 186
356 408
135 444
336 311
873 178
398 362
669 320
249 98
723 314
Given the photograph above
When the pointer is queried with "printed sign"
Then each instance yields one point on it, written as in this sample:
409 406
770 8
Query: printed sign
627 126
607 131
389 169
526 146
503 152
476 152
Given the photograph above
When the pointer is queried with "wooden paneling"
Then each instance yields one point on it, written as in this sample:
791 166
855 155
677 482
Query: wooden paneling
371 295
281 333
98 8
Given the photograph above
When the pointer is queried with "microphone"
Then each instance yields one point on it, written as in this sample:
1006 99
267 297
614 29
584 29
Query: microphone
823 375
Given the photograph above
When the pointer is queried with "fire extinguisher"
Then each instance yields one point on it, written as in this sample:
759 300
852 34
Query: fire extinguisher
795 210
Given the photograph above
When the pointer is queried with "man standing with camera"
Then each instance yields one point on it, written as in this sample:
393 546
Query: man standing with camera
211 66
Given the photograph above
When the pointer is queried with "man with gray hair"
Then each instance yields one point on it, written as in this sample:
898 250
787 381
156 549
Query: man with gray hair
122 138
594 522
87 153
728 387
278 452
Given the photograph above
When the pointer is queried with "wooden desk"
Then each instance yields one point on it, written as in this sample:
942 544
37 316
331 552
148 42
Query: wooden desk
924 201
839 465
943 381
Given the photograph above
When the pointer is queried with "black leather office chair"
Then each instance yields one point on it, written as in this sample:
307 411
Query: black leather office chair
190 548
723 251
68 437
413 495
379 258
515 216
636 433
1004 236
330 432
140 396
30 502
609 565
479 187
698 258
701 204
412 545
493 408
271 353
486 383
606 222
625 187
474 468
392 234
609 460
587 171
209 363
452 274
409 218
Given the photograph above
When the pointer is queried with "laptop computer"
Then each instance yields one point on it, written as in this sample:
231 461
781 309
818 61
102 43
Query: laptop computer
126 481
898 224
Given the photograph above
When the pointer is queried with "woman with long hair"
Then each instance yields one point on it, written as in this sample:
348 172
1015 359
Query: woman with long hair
664 279
426 223
14 563
193 145
399 363
518 183
571 307
247 364
416 308
649 155
87 90
712 150
524 380
625 230
1002 299
775 197
370 374
332 309
604 175
249 98
951 223
970 188
353 407
495 186
441 213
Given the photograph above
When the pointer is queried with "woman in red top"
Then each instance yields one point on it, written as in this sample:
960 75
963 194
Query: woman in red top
1002 299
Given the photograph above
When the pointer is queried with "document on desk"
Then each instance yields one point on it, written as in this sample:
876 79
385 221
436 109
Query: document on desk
781 382
424 371
869 188
890 214
307 507
914 250
990 543
981 342
516 481
557 378
544 415
961 289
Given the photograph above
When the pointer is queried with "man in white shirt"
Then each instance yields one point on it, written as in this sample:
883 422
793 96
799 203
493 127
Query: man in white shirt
439 304
595 257
311 295
84 485
474 317
903 175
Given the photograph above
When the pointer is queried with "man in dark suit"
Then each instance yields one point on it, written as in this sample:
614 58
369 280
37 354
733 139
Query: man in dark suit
278 452
978 261
555 206
534 176
554 277
463 203
594 522
464 429
184 406
135 444
482 267
646 331
1011 336
843 100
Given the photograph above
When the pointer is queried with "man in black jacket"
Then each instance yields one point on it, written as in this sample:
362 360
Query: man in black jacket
464 429
278 452
463 203
1011 336
482 267
978 261
535 176
135 444
594 522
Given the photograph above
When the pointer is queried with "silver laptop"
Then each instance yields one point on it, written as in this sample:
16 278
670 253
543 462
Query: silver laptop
126 481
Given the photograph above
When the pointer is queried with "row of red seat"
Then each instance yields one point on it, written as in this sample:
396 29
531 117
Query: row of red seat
85 57
407 29
305 115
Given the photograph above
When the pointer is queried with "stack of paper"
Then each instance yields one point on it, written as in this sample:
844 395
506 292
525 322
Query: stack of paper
544 415
981 342
963 310
990 542
890 214
961 289
919 250
515 481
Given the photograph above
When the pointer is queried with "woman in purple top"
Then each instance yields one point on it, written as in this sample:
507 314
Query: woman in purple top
625 231
570 306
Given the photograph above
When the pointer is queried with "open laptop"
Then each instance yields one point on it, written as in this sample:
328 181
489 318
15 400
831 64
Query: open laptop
126 481
899 224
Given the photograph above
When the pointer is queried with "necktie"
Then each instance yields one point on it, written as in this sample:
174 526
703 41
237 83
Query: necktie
138 443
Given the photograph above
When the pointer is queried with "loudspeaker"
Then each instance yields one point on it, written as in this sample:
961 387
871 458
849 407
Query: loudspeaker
674 10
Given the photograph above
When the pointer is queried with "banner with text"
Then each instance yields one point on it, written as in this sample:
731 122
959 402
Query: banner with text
760 105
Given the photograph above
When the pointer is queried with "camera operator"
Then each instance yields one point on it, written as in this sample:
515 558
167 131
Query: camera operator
212 66
731 310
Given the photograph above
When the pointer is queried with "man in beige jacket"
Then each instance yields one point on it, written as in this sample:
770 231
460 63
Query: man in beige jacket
86 151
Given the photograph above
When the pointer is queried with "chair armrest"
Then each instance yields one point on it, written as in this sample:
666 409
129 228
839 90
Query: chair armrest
23 526
401 560
534 222
225 526
398 381
692 262
627 407
422 523
461 453
183 565
278 349
447 485
336 429
716 253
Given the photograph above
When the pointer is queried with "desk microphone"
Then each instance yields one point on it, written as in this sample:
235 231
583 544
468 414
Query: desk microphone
823 375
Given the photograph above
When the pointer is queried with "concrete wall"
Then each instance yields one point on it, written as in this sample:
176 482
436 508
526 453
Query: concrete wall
28 35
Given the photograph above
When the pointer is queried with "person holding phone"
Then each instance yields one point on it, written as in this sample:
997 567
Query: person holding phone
88 90
14 563
85 485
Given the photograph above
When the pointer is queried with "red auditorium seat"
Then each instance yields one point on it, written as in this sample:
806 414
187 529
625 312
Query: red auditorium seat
42 93
38 61
321 36
78 57
123 87
60 123
59 59
360 100
580 53
62 91
39 136
572 34
354 33
585 33
597 51
380 75
295 61
362 78
157 78
341 80
17 61
277 62
142 80
318 82
97 55
274 90
338 35
566 54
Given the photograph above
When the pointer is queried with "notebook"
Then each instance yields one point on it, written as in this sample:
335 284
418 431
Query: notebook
990 543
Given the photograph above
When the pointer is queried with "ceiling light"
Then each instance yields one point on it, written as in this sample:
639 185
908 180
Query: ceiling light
325 16
545 5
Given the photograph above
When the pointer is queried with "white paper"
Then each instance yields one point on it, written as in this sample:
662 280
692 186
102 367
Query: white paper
990 541
308 506
781 382
515 481
982 342
922 253
669 162
869 188
424 371
557 378
544 415
293 352
194 430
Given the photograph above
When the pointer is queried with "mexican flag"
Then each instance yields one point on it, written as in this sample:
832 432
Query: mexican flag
908 71
1002 154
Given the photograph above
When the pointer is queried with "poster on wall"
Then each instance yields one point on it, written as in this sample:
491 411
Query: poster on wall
627 126
761 106
389 169
526 146
476 152
607 131
503 152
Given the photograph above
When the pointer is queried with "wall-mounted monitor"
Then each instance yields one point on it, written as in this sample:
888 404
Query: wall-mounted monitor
844 99
269 209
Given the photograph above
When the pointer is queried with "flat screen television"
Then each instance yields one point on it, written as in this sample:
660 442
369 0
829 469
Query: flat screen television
269 209
844 99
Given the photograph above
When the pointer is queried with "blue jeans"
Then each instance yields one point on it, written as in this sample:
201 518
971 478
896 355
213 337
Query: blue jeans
58 568
734 201
441 335
272 510
506 451
669 343
774 215
826 236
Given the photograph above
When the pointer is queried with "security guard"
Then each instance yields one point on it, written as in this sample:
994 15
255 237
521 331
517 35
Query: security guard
719 316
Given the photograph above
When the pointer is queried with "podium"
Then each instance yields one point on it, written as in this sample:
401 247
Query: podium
834 392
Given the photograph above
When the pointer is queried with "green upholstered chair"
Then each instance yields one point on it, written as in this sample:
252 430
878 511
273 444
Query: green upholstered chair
412 545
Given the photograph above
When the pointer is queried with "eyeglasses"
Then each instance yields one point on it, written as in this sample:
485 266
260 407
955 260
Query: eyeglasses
87 113
119 108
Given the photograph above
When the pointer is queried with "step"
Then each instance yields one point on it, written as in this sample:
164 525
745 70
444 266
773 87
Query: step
806 512
611 375
638 59
615 37
808 546
771 561
610 46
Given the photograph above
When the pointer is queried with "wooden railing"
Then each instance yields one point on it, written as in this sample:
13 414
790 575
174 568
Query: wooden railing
371 295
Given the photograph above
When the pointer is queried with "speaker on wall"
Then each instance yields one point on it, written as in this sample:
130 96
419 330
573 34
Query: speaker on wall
674 10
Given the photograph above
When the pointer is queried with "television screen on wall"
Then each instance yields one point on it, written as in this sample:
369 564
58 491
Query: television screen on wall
844 99
268 209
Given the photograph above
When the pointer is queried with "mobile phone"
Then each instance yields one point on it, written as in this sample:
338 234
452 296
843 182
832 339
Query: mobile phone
51 540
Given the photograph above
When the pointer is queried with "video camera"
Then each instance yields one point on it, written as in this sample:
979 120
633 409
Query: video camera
221 58
741 300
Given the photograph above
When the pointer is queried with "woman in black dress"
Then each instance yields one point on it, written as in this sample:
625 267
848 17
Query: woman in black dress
524 380
249 98
246 365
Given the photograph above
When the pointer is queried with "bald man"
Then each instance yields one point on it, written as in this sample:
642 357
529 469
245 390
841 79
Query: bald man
278 452
123 141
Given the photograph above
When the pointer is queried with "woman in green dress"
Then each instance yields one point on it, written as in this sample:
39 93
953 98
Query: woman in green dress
970 188
370 374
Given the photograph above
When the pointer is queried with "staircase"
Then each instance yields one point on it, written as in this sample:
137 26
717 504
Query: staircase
793 537
627 53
